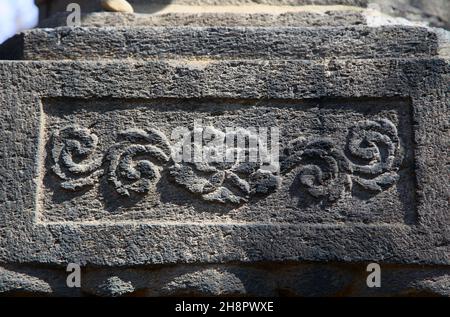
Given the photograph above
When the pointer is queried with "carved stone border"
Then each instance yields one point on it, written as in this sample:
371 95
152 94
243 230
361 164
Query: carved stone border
22 240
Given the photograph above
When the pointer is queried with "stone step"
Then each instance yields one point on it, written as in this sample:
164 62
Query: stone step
273 43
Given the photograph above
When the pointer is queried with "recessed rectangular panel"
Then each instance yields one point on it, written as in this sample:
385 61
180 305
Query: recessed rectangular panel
340 161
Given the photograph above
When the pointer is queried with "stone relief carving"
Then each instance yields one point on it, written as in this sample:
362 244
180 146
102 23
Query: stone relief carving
324 169
375 156
74 160
232 181
370 159
125 172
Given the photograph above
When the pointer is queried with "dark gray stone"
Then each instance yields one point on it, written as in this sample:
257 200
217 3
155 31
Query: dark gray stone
224 43
263 279
363 115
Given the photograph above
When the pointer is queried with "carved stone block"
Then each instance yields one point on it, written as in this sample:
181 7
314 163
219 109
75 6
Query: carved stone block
88 175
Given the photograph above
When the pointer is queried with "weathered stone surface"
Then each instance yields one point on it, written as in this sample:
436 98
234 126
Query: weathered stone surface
262 18
26 125
152 6
18 282
206 44
88 174
264 279
434 13
100 192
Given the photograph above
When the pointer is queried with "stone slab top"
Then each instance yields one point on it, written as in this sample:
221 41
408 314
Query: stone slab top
151 6
213 43
260 15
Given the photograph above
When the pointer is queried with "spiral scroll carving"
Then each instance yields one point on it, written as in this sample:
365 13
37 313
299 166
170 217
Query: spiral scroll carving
74 158
371 160
368 157
374 152
323 168
134 163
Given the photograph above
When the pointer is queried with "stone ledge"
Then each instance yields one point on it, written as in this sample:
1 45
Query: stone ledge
258 279
299 18
222 43
154 6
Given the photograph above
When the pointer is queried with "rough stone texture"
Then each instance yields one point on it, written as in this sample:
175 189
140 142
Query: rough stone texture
366 106
264 279
207 44
435 13
151 6
325 17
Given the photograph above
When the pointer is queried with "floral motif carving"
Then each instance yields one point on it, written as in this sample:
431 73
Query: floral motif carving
232 181
369 159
